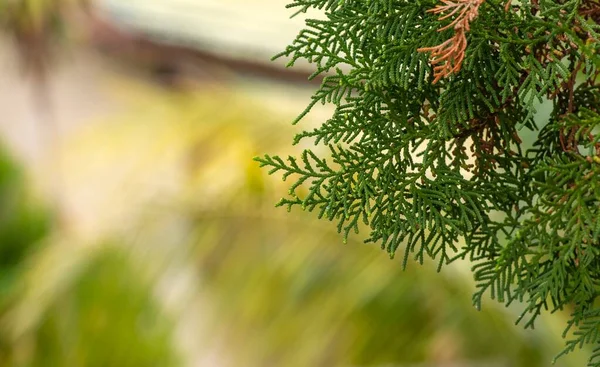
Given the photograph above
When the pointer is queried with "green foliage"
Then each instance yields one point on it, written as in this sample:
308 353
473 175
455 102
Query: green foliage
108 317
439 169
22 224
100 312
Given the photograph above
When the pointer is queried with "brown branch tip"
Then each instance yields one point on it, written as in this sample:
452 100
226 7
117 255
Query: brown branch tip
447 57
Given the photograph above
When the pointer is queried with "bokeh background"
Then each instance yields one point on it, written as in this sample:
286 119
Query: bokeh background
135 229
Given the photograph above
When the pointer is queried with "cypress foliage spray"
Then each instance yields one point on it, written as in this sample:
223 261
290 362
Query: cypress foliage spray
432 99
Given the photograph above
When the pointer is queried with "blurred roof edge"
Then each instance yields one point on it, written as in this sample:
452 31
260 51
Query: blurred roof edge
223 33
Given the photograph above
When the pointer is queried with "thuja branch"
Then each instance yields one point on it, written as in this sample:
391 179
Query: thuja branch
425 150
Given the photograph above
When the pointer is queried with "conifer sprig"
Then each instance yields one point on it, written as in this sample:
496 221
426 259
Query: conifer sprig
448 56
427 147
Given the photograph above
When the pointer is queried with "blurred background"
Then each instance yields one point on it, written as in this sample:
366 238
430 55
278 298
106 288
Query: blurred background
135 229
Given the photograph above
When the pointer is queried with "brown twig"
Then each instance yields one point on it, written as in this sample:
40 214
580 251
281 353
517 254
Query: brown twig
571 86
570 144
447 57
590 9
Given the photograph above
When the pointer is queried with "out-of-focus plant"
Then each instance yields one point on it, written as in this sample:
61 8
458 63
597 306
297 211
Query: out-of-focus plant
22 225
35 26
67 304
102 313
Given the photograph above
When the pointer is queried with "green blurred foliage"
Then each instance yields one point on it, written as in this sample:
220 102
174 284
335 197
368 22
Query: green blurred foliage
22 223
107 317
102 312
